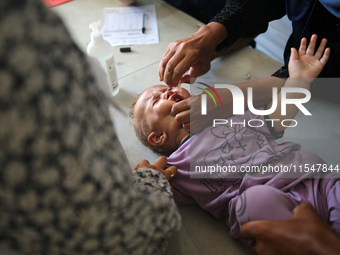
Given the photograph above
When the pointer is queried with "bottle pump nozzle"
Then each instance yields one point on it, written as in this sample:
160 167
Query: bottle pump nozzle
96 33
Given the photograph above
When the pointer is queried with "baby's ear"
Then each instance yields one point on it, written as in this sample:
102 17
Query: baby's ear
157 139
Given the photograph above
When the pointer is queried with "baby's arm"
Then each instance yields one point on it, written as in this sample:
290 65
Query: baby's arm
303 67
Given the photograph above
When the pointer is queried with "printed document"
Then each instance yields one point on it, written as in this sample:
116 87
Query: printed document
130 25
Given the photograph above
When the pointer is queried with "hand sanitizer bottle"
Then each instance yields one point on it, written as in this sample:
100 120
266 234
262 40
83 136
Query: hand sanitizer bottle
101 50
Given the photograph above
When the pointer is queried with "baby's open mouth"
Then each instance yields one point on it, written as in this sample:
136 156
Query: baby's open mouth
176 97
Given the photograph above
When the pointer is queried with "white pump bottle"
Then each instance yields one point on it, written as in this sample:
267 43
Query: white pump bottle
101 50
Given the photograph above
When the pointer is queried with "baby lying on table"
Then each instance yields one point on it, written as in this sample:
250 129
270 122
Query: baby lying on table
234 196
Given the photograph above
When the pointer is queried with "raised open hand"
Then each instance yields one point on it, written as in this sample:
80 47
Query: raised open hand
306 63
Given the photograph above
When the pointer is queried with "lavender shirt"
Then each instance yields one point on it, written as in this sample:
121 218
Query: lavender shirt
234 146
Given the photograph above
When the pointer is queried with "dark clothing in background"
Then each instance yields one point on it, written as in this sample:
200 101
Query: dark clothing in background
248 18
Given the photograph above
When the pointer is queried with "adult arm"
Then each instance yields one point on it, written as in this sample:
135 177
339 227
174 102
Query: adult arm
65 183
304 233
237 24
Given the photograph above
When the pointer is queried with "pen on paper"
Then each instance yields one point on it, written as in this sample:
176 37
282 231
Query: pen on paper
143 27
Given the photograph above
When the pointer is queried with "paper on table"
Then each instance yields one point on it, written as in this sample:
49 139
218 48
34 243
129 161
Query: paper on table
124 25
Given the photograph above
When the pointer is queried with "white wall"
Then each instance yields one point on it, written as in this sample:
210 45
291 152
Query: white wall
273 41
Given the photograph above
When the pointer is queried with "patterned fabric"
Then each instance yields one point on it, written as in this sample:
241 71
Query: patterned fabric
65 183
200 9
244 18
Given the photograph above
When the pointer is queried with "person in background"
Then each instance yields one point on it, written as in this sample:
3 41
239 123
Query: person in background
202 10
242 20
65 183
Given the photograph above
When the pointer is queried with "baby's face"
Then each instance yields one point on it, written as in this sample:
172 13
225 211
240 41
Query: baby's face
155 105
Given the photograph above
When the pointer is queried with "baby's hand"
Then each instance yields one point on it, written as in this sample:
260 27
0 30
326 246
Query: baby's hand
159 165
306 64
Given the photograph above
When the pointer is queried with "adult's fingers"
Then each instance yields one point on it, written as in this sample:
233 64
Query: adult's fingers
260 229
159 165
254 229
183 117
171 58
305 211
160 162
164 61
175 69
200 68
181 106
187 78
186 126
186 55
181 111
142 163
